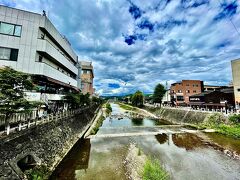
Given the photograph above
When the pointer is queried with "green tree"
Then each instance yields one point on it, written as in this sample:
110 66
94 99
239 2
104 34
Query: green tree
158 94
12 87
77 99
85 99
73 100
137 99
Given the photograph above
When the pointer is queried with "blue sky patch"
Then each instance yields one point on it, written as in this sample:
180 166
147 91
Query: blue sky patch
135 11
227 10
146 24
113 85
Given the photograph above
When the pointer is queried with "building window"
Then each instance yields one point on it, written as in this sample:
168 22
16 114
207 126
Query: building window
5 53
179 91
187 84
238 89
10 29
18 30
180 98
196 85
194 91
8 54
187 91
14 54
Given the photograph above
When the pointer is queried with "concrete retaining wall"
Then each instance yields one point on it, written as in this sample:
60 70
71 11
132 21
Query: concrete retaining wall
181 115
47 144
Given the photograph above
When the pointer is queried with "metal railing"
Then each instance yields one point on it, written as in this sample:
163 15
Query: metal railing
18 122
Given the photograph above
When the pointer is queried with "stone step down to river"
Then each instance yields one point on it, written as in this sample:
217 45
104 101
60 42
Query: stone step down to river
147 133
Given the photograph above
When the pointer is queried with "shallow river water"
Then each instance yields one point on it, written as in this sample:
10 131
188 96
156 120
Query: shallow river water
185 156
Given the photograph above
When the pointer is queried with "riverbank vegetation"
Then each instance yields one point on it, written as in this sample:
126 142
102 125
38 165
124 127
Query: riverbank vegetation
229 127
152 170
108 108
127 107
97 125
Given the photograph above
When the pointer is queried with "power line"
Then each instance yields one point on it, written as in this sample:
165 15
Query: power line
229 18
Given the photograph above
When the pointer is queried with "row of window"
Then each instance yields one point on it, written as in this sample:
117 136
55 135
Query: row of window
187 91
86 71
10 29
8 54
194 85
40 59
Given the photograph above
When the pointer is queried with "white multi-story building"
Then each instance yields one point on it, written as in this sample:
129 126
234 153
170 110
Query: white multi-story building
30 43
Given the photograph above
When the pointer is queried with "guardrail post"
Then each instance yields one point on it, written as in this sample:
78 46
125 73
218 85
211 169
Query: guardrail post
19 126
29 122
8 128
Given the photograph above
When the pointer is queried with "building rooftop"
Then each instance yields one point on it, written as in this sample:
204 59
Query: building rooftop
202 94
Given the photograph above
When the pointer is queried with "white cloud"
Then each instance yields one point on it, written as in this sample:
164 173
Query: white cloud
186 42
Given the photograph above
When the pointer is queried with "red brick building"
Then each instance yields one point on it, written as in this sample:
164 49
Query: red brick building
180 91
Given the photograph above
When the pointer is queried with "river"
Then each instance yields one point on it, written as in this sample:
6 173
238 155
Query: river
184 155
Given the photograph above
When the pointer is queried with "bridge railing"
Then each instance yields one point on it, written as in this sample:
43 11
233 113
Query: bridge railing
21 121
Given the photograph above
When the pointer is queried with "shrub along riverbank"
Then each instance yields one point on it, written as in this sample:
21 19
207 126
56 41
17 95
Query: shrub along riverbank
229 127
107 109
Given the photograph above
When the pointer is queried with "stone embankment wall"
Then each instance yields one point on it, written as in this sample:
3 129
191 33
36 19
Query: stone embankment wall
181 115
44 145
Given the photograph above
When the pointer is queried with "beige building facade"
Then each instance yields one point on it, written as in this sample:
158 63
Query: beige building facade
236 81
87 76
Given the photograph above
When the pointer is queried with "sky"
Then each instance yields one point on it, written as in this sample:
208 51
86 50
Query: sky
136 44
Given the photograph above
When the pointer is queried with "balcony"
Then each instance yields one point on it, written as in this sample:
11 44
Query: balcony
46 47
51 72
52 31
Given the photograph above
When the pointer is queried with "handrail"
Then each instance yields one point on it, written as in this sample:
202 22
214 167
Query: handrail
20 121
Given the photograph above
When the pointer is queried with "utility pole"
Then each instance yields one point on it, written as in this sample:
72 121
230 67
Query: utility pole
167 90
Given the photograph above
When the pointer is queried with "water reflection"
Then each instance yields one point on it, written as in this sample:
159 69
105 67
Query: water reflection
76 159
137 121
187 141
162 138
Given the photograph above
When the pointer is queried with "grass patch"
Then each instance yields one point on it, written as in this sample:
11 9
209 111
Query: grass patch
37 173
127 107
98 125
153 171
229 130
217 122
